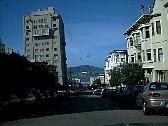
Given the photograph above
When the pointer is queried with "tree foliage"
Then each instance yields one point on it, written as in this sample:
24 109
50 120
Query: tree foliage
97 81
129 73
17 74
115 76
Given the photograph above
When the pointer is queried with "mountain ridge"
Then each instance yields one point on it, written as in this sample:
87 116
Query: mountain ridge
84 72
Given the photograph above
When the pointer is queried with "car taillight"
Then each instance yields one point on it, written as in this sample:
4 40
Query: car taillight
152 94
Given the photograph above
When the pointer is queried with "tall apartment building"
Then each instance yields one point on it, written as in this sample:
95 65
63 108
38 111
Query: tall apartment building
147 41
44 41
115 58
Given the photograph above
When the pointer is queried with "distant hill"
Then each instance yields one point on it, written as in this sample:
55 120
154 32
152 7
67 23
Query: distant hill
84 72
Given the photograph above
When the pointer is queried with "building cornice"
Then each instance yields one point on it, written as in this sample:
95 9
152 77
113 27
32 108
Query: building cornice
145 17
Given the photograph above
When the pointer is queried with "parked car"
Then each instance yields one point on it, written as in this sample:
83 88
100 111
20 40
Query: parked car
48 94
12 100
107 93
55 95
130 93
132 90
97 92
41 98
154 97
28 98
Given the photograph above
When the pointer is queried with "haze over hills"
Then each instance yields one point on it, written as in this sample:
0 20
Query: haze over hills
84 72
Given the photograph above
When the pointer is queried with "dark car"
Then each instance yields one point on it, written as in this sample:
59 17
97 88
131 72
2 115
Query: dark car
97 92
28 98
130 93
107 93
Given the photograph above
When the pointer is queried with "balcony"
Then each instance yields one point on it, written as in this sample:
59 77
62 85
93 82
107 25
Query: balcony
40 32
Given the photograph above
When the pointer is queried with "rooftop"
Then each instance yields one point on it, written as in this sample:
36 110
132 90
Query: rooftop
143 19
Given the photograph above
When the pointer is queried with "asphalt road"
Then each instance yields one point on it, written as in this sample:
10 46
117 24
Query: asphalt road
86 110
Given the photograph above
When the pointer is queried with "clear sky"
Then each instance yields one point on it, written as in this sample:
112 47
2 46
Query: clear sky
92 27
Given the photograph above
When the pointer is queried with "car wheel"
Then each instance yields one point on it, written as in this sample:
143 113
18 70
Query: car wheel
145 110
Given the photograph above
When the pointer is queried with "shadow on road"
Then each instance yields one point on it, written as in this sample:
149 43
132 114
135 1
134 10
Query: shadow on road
84 102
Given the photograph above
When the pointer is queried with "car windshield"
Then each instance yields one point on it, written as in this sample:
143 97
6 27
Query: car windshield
158 86
83 62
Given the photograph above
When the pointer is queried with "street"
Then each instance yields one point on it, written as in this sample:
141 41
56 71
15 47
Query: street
86 110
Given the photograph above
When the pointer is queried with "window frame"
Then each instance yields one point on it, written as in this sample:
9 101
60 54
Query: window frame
158 31
147 36
160 54
148 54
154 55
153 29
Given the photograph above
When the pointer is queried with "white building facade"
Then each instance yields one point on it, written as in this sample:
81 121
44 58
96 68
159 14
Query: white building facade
44 41
115 58
147 42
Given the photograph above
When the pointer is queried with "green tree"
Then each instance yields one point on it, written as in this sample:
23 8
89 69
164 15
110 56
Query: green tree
129 73
132 73
115 76
96 83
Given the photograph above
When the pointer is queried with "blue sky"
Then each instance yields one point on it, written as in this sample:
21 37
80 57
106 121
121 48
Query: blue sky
92 27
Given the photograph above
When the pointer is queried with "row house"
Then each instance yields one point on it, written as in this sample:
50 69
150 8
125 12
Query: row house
115 58
147 42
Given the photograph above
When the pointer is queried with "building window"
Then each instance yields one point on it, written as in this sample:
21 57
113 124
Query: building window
158 27
139 57
122 59
56 55
41 56
35 27
28 50
143 53
40 26
27 33
131 42
41 50
41 20
47 49
137 39
27 44
46 43
147 33
54 18
132 58
27 21
54 25
153 30
154 55
46 26
160 55
27 27
55 49
36 44
55 61
36 50
47 55
36 57
27 39
45 21
148 53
